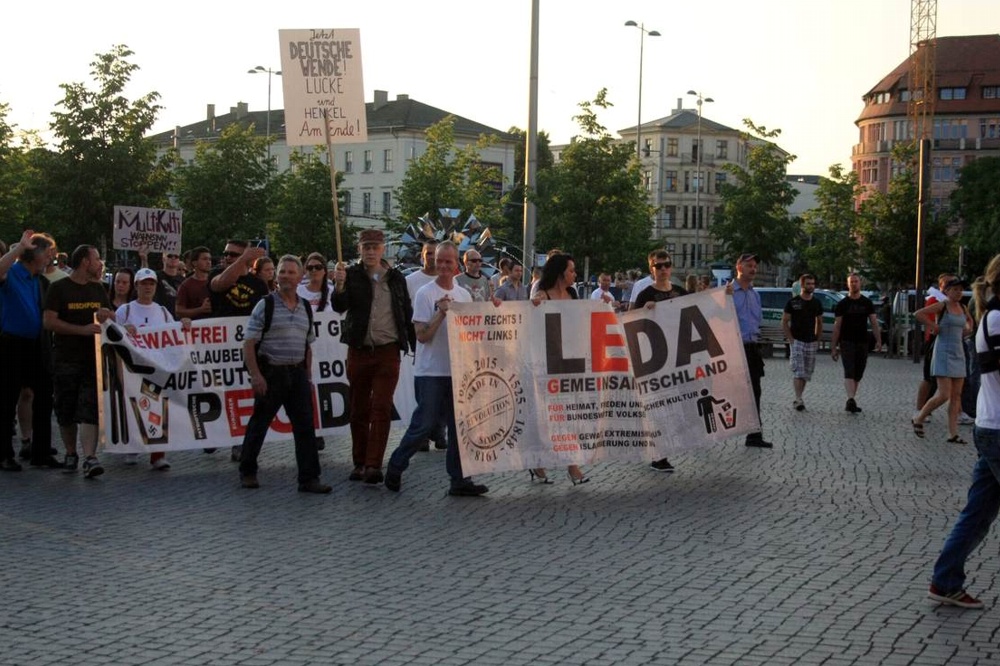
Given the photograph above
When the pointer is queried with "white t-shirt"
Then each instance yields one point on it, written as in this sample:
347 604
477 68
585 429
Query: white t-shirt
988 401
305 293
417 279
598 295
637 288
432 357
140 315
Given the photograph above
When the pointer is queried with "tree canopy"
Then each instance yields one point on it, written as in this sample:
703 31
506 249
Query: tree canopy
592 203
831 248
976 206
754 212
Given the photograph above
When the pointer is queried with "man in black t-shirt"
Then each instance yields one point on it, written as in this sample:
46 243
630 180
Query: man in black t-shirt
661 266
850 336
802 323
70 306
233 289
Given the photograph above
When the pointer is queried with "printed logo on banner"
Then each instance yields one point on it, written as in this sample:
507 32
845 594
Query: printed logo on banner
492 400
725 415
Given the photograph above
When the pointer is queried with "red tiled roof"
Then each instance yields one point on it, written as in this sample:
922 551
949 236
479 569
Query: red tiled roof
967 61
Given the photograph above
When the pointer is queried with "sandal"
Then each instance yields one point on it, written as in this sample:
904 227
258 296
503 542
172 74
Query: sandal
918 429
955 439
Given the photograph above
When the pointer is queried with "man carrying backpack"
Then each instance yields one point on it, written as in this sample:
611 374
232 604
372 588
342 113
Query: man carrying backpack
279 359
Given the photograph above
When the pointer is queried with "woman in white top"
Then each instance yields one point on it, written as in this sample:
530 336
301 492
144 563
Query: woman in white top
973 524
140 313
317 288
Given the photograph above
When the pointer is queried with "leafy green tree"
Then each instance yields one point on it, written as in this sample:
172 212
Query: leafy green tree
512 227
831 248
592 203
13 180
754 211
976 205
302 215
103 159
887 227
226 192
448 177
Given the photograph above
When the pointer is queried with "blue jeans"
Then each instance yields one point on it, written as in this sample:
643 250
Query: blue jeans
288 387
435 404
979 513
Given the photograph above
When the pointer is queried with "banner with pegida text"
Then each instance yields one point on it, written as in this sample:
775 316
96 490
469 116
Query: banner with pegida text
167 389
571 382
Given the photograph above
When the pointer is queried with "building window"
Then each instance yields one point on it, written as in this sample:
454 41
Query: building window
386 203
669 217
904 95
684 221
672 147
946 169
722 149
412 153
670 181
991 92
720 180
950 129
348 161
951 93
876 132
698 184
347 202
901 130
366 203
647 180
989 128
869 172
369 157
387 159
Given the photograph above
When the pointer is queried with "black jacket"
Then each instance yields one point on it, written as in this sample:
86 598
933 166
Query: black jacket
356 301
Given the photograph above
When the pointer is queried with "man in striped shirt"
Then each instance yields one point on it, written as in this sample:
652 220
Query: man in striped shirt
279 361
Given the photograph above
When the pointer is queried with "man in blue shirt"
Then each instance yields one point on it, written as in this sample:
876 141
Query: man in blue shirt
24 349
749 314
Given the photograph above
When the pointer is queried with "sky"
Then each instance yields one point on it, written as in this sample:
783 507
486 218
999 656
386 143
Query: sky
798 66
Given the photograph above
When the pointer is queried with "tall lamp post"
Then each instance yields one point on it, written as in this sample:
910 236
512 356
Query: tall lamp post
260 69
642 38
697 190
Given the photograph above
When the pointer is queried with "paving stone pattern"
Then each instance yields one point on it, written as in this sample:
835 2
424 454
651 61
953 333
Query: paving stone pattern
816 552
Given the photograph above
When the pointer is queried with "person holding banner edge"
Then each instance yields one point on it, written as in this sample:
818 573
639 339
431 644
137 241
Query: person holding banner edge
749 314
556 284
435 398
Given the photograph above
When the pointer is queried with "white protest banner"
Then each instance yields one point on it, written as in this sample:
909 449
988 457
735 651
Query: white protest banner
568 382
152 229
690 369
321 73
167 389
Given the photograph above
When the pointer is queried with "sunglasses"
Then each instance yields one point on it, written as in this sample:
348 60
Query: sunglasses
173 256
232 255
662 264
314 267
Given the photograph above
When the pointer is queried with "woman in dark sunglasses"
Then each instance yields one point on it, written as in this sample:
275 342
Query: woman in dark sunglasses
316 288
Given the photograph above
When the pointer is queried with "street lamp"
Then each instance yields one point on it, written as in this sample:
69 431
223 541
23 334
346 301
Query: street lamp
642 37
697 191
260 69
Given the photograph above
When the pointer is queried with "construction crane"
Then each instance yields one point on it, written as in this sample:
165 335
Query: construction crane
923 35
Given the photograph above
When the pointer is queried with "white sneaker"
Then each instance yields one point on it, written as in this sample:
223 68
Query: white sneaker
161 464
965 419
131 458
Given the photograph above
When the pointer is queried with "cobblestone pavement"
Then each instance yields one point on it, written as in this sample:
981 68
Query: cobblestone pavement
816 552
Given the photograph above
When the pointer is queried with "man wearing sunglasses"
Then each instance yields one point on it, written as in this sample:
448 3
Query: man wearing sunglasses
233 289
169 280
661 268
473 280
